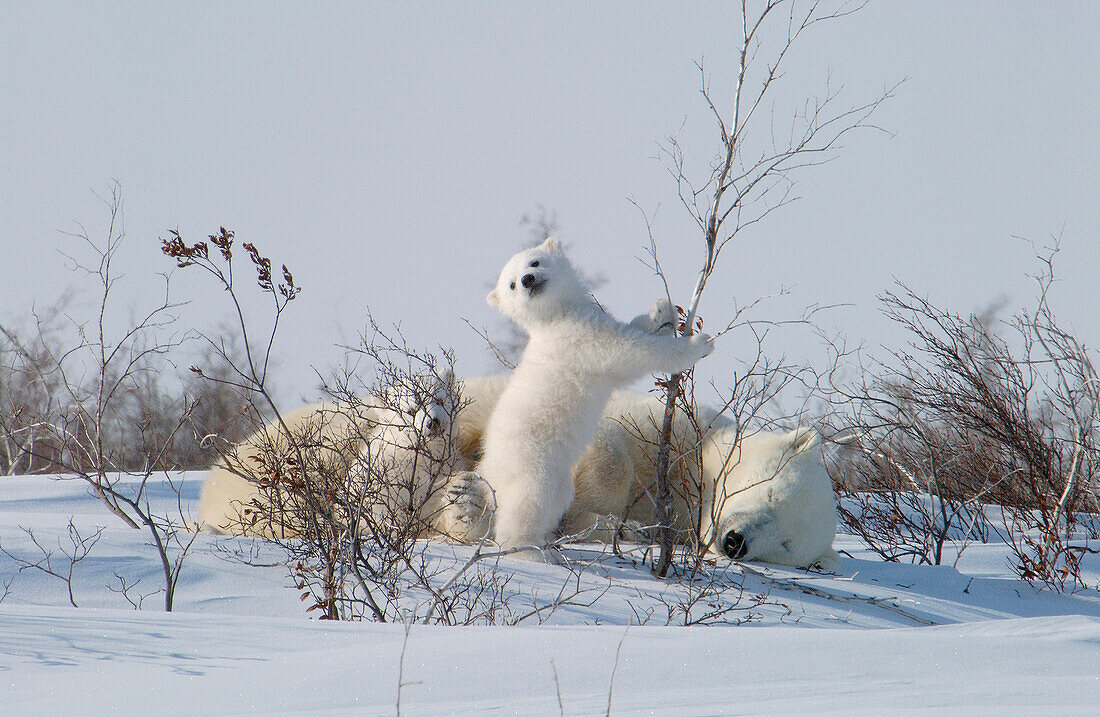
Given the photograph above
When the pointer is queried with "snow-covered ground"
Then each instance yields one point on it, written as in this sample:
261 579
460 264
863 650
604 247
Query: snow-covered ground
876 638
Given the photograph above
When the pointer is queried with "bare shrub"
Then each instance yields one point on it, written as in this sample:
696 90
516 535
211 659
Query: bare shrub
31 391
72 552
43 379
970 418
83 404
386 499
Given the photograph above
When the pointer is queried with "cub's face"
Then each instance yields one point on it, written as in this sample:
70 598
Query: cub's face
421 410
536 284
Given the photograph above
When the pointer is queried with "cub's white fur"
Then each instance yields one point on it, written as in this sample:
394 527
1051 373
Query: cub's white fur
576 355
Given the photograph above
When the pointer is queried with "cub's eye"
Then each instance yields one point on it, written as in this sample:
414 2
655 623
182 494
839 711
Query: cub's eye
535 263
513 286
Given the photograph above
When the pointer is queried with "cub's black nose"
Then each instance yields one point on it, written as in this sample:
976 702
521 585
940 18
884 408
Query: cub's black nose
434 424
527 280
734 545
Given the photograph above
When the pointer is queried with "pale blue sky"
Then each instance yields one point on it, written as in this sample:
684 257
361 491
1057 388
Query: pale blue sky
386 152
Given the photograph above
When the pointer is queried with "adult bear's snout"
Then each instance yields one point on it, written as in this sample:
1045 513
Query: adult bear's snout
734 545
527 281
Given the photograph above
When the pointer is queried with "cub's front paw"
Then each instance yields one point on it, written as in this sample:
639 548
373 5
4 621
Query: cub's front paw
703 344
466 516
662 317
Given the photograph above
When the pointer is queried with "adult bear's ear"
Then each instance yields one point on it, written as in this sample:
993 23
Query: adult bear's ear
551 244
494 299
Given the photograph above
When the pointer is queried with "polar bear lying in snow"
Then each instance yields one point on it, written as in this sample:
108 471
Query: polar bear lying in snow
549 410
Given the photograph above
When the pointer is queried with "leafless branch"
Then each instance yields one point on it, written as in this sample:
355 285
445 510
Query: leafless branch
745 186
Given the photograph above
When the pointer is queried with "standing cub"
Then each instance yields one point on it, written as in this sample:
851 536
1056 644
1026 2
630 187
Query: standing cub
576 356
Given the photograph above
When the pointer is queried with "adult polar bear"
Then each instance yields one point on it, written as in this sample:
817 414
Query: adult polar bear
576 356
749 496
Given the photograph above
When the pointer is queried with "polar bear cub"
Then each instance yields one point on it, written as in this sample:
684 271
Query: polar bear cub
402 468
241 494
383 451
576 356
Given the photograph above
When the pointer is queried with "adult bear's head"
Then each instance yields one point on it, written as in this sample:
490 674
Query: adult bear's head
537 285
771 498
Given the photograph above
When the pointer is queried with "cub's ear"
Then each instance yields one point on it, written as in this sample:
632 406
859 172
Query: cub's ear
494 299
445 388
803 439
551 244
